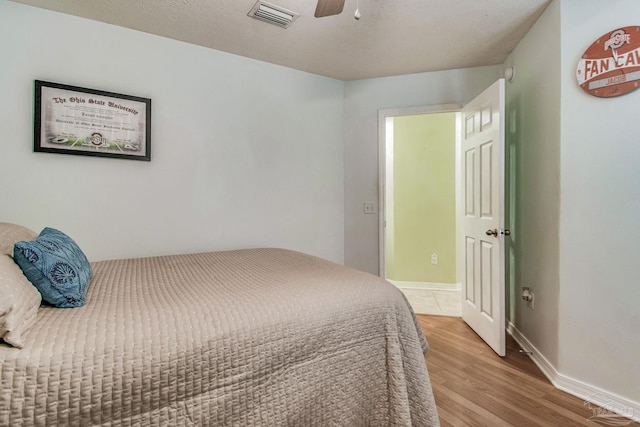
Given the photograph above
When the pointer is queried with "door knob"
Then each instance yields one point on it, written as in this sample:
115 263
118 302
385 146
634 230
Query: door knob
506 232
493 233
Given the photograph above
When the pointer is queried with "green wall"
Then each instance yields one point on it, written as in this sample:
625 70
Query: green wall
424 217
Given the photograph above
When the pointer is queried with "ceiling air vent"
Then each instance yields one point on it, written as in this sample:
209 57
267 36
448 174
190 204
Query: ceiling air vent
272 14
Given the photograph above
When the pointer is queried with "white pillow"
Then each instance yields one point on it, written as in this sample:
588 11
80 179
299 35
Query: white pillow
19 299
19 303
12 233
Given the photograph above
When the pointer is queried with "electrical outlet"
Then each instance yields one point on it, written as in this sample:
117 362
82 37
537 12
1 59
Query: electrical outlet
529 297
434 258
369 208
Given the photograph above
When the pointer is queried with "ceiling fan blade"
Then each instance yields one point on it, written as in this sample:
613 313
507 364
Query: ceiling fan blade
329 7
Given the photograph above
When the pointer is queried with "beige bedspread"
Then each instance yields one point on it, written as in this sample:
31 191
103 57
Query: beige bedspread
257 337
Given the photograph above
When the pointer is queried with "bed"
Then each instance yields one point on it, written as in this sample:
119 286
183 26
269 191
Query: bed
253 337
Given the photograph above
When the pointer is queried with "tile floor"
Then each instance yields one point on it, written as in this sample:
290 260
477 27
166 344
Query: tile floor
435 302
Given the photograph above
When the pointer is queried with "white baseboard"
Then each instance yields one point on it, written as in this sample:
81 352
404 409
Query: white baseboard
426 285
605 401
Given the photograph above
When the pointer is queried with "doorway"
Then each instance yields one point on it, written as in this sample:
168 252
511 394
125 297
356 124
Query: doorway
480 208
419 161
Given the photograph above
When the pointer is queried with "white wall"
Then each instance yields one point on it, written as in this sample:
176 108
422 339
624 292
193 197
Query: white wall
533 181
576 203
363 99
244 153
599 225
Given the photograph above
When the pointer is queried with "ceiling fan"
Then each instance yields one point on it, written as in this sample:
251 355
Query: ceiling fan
328 8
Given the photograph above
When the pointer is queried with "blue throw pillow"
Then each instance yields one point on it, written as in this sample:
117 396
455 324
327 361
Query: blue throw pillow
56 266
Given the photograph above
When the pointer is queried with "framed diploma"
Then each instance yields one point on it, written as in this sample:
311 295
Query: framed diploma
76 120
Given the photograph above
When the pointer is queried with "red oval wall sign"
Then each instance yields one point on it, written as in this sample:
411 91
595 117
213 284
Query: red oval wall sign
611 65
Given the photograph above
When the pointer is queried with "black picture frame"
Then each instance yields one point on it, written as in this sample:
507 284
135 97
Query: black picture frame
89 122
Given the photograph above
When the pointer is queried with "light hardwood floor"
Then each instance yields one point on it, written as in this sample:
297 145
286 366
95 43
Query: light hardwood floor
475 387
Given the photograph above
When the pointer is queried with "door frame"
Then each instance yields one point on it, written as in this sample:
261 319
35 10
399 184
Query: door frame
383 115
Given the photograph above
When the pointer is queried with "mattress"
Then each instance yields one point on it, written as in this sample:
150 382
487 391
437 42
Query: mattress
255 337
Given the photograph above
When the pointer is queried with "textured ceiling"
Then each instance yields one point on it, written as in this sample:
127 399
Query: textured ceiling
391 38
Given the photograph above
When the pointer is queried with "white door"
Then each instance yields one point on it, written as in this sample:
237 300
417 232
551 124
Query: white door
482 157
